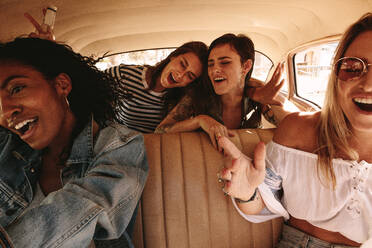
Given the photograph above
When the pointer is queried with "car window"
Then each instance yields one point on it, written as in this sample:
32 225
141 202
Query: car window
261 67
312 68
142 57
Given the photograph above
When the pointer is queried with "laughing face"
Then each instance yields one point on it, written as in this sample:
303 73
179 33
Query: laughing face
226 71
30 106
355 96
181 71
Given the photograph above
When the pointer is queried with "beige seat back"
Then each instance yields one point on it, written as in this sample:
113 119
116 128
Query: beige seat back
183 204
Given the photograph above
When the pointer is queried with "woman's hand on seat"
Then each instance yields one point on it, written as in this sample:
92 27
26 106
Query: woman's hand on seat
241 174
214 129
42 31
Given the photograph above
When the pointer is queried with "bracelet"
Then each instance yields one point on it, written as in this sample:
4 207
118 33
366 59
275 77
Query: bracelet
249 200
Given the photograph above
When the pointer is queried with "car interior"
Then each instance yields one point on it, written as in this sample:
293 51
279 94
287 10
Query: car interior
182 204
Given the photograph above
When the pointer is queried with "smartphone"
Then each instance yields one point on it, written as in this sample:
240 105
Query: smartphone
50 16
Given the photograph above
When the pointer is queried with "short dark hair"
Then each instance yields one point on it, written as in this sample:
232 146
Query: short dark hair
206 101
241 43
93 91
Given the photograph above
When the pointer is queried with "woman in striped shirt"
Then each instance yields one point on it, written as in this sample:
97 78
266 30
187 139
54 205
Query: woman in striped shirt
150 92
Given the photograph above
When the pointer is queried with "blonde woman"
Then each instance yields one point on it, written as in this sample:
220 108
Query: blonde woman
319 165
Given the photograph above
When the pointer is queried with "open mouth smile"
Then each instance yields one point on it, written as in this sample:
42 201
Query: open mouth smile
171 80
24 126
219 79
364 104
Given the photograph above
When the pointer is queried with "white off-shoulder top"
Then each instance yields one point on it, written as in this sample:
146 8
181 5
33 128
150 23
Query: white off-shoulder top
347 209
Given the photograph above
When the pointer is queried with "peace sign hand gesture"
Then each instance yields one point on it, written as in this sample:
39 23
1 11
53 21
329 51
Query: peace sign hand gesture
43 31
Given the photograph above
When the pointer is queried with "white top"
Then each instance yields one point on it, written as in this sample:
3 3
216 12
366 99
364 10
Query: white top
347 209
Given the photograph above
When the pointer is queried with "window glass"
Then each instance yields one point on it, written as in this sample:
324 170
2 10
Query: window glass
285 78
143 57
312 70
261 67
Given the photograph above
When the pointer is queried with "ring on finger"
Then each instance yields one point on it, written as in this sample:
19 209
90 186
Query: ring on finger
224 191
219 178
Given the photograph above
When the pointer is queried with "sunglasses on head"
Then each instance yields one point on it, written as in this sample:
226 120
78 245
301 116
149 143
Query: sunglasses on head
350 68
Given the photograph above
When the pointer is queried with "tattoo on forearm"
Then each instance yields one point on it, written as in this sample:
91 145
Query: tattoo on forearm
184 110
163 128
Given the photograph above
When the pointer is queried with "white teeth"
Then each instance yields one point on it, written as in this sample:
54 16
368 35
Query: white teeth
219 79
21 124
363 100
174 80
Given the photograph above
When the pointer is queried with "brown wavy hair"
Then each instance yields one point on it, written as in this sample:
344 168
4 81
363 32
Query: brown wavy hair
172 96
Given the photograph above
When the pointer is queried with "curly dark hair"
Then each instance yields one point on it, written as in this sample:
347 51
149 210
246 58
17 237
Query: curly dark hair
93 91
172 96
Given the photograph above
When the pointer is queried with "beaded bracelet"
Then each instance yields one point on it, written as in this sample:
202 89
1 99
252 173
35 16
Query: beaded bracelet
249 200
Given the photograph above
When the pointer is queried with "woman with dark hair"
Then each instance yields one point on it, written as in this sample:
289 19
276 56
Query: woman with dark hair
68 173
226 101
319 165
152 91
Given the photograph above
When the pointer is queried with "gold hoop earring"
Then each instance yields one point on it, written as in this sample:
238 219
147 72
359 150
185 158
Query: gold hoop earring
67 102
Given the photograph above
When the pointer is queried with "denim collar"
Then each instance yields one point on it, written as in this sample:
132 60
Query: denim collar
82 148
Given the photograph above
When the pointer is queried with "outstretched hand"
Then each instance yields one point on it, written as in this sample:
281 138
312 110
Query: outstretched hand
268 94
242 175
43 31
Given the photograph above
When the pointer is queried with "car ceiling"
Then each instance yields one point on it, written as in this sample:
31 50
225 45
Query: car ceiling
95 27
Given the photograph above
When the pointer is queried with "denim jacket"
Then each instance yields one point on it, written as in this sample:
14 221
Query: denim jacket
102 184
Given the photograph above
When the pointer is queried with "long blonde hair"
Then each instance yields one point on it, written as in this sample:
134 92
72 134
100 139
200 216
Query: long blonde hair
333 127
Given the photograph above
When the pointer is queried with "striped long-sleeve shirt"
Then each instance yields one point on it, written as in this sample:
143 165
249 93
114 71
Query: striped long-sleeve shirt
143 109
